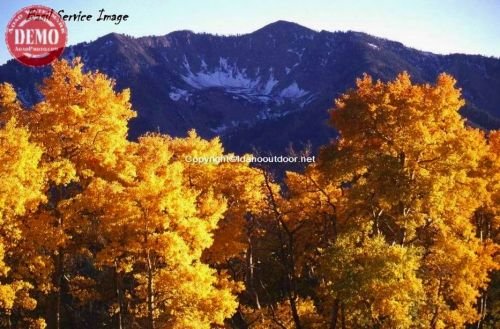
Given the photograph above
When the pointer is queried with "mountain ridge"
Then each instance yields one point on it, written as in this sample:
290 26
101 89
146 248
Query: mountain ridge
280 78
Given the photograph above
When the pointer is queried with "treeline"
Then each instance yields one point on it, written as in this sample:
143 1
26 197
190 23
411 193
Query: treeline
395 226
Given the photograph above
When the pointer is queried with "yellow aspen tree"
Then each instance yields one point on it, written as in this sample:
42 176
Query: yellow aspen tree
81 123
155 229
404 155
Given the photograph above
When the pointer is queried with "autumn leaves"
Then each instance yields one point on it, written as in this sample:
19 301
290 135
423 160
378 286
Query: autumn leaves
416 180
110 210
395 226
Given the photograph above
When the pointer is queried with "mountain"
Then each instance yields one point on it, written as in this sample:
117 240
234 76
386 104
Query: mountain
263 90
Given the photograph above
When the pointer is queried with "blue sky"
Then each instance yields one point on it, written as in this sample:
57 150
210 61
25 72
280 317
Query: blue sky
440 26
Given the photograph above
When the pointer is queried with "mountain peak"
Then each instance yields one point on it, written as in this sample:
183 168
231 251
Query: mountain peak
113 36
282 26
181 33
113 39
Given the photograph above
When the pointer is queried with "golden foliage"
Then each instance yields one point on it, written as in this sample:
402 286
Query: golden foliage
405 154
129 207
396 226
21 192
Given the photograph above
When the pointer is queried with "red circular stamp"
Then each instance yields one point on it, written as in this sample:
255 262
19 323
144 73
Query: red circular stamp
36 35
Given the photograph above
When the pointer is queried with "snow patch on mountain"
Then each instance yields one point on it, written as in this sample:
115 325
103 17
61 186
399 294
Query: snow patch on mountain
225 76
293 91
260 87
233 79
